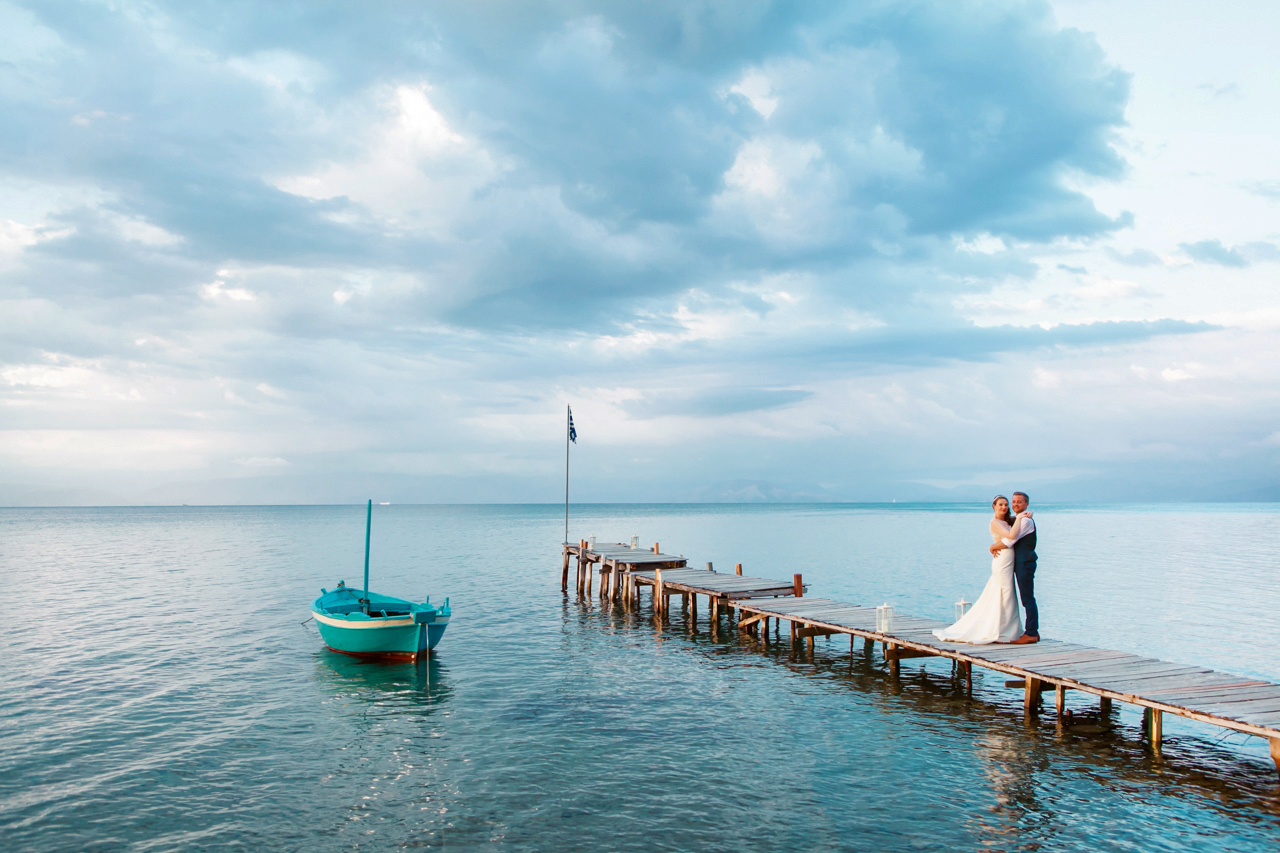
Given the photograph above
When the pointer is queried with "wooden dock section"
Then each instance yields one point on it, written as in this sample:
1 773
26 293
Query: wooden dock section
1234 702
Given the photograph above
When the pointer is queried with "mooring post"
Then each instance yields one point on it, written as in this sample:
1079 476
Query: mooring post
564 569
709 566
737 567
797 586
659 598
1153 720
655 547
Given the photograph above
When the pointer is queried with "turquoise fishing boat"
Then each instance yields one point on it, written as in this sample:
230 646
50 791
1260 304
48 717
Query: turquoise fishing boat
364 624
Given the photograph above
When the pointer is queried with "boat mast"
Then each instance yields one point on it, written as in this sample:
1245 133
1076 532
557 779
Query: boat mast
368 527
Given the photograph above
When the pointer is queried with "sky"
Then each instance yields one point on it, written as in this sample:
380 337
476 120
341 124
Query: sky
322 252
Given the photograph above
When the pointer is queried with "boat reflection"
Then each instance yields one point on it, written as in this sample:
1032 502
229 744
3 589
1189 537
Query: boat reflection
423 686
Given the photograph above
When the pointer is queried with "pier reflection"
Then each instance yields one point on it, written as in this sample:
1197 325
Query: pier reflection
1021 755
423 686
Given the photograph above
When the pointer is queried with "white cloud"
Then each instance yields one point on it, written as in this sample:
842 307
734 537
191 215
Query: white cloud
218 289
756 87
262 462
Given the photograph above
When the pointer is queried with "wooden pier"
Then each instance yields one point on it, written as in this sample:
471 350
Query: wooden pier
1159 687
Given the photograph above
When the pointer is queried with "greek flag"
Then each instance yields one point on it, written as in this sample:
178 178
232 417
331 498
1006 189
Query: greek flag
573 433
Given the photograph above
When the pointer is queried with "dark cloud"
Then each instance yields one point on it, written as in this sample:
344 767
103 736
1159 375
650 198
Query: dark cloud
919 121
1136 257
1213 252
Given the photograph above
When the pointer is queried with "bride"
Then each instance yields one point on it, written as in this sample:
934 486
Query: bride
994 617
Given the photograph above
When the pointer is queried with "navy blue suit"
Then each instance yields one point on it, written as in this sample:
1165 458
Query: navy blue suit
1024 570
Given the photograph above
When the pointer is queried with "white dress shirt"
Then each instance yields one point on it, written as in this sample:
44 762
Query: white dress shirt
1022 525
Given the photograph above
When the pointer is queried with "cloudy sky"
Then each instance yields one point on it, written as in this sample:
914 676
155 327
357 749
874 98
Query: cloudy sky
313 252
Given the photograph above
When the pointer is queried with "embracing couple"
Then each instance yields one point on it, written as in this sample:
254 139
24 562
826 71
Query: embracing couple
994 616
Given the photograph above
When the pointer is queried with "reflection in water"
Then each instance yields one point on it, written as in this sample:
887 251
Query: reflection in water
423 686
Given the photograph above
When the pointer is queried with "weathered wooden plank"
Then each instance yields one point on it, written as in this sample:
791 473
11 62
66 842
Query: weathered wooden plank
1129 683
1104 667
1204 699
1206 687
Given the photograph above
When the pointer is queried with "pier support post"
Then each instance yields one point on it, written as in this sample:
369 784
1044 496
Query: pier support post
659 597
1104 706
894 666
797 586
564 569
1153 721
1031 694
1061 700
1275 752
737 568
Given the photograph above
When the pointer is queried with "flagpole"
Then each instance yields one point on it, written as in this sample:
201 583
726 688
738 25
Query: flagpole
567 417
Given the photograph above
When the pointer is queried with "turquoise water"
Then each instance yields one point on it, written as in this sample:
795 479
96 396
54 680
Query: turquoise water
161 693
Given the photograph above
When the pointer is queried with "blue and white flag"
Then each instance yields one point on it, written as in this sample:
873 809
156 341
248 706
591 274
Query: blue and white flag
573 433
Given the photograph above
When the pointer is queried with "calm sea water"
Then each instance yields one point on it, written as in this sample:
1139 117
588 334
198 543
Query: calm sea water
160 691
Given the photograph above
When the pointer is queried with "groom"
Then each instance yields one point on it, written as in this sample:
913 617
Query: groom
1023 543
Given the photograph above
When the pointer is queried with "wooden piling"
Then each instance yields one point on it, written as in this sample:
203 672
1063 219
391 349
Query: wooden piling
659 599
1153 721
1061 699
1031 693
564 571
797 585
655 548
737 568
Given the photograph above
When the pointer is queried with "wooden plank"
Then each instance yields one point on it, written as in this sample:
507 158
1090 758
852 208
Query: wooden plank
1195 700
1105 668
1237 710
1193 689
1227 682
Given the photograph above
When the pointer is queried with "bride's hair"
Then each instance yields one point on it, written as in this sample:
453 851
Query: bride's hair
1008 516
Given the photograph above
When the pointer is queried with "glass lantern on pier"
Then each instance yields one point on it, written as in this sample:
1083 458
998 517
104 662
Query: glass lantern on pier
884 618
962 607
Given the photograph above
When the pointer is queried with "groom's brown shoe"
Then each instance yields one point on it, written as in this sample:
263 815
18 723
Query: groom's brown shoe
1025 639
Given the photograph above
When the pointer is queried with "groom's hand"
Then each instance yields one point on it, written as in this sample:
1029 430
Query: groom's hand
996 548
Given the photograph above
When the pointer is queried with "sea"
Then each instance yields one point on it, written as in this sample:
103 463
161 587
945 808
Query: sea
162 688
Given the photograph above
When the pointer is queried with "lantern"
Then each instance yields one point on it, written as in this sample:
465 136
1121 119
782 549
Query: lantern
635 542
593 543
962 607
884 618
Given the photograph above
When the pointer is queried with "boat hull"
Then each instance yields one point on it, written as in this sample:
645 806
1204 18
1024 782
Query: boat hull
408 635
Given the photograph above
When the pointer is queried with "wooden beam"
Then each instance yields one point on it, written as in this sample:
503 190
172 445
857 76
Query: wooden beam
1042 686
893 652
811 631
750 620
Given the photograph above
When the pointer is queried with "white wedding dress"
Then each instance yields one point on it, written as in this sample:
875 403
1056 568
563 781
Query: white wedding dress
994 617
